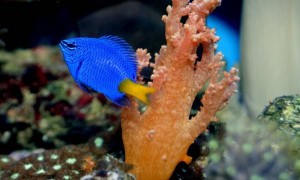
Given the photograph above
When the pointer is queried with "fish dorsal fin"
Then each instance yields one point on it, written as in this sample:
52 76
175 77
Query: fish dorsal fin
124 50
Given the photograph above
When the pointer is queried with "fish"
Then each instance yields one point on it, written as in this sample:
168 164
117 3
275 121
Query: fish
106 65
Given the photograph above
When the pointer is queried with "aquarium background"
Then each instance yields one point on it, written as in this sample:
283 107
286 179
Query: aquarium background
44 114
31 23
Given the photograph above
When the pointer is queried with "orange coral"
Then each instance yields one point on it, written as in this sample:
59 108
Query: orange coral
88 164
158 139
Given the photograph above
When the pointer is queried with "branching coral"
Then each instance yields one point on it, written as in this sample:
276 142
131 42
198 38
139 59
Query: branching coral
158 139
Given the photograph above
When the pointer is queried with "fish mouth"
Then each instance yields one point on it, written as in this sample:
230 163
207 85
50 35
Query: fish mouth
65 44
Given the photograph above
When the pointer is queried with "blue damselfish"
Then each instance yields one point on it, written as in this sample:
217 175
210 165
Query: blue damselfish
107 65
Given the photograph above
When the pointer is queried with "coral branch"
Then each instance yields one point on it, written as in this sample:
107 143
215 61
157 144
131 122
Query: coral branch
143 61
158 139
215 98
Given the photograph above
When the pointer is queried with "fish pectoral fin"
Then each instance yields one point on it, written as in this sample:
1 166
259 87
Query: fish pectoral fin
85 88
124 101
136 90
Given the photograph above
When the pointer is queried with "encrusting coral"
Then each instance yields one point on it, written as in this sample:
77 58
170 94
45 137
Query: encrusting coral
157 140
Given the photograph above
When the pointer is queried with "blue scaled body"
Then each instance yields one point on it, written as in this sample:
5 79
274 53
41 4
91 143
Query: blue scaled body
101 64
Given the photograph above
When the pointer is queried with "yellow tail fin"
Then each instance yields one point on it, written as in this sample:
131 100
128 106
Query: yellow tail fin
136 90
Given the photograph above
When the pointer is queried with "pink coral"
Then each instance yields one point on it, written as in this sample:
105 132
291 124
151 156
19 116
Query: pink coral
158 139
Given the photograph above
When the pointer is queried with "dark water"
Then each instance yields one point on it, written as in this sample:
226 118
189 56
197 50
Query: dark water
31 23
